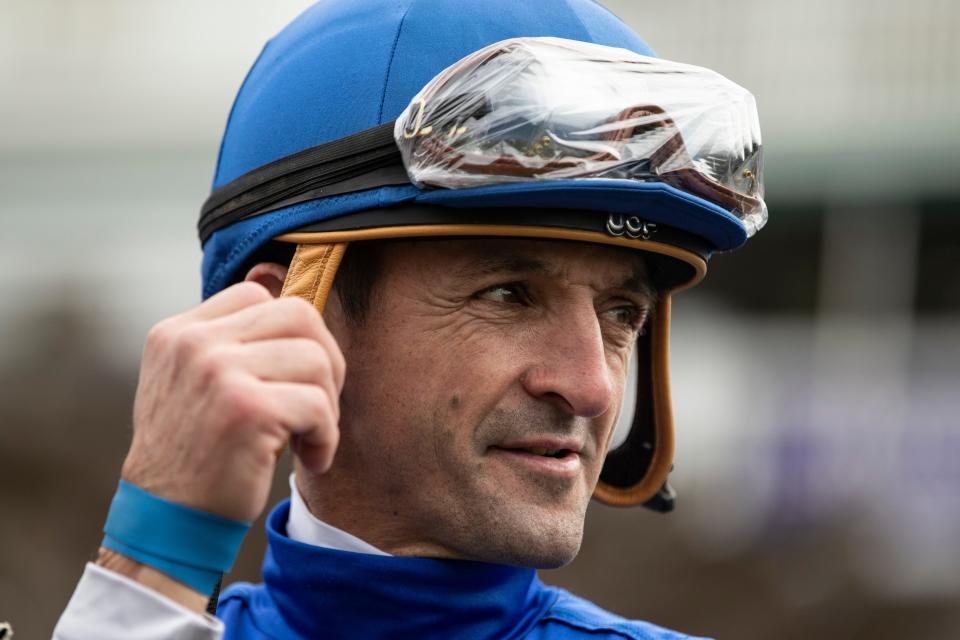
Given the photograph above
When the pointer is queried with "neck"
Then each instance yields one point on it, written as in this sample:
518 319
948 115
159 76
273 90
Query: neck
388 530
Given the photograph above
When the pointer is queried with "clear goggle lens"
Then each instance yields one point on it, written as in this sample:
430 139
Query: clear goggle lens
552 109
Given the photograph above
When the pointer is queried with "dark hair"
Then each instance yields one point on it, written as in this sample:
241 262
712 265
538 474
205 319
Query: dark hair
354 283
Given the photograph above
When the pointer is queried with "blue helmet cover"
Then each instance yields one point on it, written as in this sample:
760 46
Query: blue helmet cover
347 65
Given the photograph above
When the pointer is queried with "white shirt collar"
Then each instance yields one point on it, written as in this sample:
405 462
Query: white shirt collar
307 528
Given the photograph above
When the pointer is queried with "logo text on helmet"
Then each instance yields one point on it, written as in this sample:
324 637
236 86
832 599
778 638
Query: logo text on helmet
631 226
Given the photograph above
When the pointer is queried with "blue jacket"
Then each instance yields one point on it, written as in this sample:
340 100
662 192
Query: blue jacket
311 592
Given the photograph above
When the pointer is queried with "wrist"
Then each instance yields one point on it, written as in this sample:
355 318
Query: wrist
190 546
152 579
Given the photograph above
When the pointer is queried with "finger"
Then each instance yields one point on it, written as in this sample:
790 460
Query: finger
333 348
306 410
276 318
337 361
308 415
230 300
282 318
286 360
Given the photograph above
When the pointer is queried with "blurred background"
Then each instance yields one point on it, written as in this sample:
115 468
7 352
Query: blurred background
816 372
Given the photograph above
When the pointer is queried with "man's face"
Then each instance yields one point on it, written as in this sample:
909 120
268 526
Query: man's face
480 397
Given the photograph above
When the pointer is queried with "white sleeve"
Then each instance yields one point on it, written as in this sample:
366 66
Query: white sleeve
109 606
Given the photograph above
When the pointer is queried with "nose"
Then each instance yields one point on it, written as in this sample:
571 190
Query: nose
571 370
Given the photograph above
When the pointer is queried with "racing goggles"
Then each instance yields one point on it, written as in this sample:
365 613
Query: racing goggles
536 110
553 109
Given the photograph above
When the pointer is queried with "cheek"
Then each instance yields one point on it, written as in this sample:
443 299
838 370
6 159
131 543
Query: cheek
426 384
475 381
472 360
415 392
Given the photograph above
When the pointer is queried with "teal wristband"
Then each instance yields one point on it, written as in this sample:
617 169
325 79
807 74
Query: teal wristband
189 545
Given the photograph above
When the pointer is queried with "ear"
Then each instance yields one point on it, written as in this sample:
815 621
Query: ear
270 274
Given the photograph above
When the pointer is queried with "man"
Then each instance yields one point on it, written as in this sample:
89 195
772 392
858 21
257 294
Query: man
501 259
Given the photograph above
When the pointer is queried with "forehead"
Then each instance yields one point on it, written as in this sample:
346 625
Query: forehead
478 258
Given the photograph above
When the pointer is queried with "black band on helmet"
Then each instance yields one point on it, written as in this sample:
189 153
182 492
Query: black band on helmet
357 162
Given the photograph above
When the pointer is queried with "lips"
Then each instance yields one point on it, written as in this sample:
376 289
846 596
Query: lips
542 451
551 456
543 446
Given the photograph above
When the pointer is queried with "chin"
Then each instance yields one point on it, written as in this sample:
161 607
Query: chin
540 554
538 543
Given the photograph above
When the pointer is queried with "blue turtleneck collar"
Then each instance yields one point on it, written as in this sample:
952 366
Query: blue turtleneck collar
313 592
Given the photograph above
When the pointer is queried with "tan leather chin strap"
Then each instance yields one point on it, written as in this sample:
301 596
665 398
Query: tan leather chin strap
662 461
310 276
312 270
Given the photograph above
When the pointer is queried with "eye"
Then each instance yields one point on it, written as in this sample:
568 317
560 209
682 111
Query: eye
629 316
506 294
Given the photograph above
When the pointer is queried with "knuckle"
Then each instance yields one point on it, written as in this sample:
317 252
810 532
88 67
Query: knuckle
316 355
160 335
188 342
321 407
329 364
294 303
322 403
238 400
212 364
302 314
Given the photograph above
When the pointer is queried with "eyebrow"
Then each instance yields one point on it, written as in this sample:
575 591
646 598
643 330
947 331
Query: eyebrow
638 282
504 264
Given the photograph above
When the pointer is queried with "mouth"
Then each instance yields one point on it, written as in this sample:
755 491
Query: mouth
559 459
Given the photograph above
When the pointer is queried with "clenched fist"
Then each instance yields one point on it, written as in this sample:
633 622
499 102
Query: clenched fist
222 388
